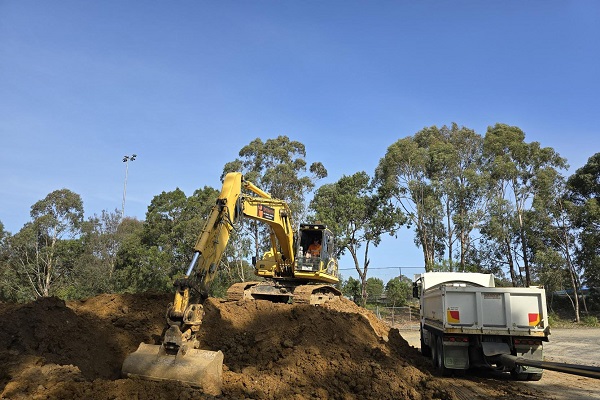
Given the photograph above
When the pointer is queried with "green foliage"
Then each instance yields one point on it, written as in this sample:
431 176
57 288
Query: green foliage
398 291
352 288
517 170
554 320
488 204
357 216
591 321
173 224
374 288
584 192
140 268
42 255
277 166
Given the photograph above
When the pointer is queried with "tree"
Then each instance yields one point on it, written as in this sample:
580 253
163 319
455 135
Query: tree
139 267
584 192
404 176
173 224
436 178
358 218
278 167
553 238
352 289
374 288
9 283
161 249
457 172
398 290
41 251
514 167
94 270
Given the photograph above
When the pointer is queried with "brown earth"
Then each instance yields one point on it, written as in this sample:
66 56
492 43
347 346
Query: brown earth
53 350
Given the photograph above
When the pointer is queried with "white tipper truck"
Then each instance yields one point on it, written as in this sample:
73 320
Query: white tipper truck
467 322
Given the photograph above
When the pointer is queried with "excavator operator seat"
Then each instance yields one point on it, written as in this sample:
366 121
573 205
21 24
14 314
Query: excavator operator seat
311 247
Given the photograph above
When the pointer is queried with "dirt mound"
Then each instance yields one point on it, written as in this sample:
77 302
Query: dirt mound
49 349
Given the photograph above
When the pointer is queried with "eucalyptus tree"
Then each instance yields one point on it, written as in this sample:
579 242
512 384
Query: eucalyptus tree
279 167
8 279
358 217
554 234
404 176
140 267
584 192
174 221
456 171
498 245
43 251
514 167
94 269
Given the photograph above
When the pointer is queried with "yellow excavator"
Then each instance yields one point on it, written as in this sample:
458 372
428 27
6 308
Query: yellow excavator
292 274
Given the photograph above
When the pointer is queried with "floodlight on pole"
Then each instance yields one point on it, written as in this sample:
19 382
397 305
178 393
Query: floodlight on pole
126 160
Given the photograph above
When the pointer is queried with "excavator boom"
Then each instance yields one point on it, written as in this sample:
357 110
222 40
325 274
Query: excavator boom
286 266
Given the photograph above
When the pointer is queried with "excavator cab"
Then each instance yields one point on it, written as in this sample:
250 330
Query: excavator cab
315 249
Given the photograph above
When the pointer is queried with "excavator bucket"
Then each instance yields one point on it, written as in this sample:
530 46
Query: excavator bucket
199 368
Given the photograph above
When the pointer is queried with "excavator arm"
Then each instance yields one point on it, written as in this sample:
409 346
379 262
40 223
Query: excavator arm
232 205
178 357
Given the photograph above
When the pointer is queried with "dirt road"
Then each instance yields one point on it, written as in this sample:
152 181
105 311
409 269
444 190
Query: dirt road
576 346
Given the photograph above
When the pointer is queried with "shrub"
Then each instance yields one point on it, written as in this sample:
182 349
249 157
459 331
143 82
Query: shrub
590 321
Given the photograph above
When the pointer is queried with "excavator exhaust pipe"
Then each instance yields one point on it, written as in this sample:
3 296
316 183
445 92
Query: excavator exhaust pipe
198 368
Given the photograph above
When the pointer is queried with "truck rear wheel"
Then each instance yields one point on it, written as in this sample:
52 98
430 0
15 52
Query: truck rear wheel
433 351
440 358
425 350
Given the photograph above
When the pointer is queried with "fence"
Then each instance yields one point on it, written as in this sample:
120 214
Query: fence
399 317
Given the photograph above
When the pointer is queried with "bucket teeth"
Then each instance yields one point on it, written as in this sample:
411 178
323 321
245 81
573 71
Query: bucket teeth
198 368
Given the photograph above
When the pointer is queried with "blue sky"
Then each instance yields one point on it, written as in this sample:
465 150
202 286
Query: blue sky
185 85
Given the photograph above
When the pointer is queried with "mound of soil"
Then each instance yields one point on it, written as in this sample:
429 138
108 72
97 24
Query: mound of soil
50 349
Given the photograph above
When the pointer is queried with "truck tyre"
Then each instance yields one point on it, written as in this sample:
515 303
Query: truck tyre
433 350
440 358
425 350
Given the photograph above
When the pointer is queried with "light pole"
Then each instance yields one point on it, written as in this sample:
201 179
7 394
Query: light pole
126 160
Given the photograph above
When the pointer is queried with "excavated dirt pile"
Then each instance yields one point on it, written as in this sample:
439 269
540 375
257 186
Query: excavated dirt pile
53 350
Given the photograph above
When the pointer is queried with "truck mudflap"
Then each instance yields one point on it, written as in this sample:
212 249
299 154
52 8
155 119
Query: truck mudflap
491 349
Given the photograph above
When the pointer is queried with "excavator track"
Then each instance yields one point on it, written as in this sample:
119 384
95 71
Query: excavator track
237 291
315 294
303 294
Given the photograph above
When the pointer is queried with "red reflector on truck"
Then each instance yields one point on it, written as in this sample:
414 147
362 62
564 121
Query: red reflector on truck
534 319
453 315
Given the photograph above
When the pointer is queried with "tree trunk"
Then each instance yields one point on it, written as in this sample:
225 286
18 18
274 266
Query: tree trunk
574 286
511 263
